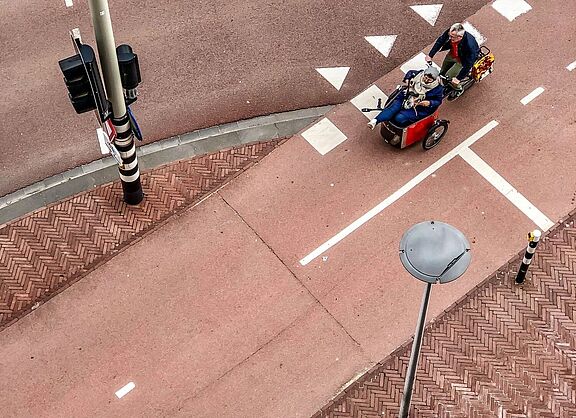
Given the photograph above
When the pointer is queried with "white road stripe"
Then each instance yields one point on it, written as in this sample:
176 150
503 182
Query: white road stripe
125 389
398 193
68 3
570 67
515 197
537 92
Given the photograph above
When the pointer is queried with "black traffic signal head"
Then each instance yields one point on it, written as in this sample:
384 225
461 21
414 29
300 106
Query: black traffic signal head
82 78
129 71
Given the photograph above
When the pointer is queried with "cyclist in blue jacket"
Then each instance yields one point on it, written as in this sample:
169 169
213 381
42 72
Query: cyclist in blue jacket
463 51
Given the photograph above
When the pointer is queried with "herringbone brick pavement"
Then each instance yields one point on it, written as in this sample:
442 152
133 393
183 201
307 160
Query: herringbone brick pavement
503 350
45 252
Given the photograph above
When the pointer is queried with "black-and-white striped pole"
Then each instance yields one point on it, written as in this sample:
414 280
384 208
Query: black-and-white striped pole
534 238
129 173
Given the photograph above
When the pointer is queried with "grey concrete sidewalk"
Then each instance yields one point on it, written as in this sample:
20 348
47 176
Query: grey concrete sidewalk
203 141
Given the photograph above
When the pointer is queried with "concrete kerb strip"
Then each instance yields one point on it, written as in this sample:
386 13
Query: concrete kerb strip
203 141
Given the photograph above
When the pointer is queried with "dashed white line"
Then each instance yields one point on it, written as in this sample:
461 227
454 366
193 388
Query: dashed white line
125 389
398 193
537 92
570 67
513 195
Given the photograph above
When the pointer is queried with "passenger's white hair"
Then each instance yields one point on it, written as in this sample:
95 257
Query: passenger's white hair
458 28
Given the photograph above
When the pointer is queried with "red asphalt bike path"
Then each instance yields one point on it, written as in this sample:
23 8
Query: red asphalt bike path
214 315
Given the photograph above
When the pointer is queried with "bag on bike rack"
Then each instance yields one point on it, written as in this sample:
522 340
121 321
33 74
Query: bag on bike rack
483 66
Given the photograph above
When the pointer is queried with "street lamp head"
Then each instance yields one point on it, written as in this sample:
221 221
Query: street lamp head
435 252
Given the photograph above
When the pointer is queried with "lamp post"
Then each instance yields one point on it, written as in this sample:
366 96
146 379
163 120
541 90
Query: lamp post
433 252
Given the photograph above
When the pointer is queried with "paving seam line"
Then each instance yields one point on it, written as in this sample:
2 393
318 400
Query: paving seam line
202 141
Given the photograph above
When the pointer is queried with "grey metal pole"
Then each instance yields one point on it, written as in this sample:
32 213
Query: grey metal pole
129 172
416 344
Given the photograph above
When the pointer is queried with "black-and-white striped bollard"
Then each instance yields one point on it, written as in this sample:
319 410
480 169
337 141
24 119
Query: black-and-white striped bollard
533 237
129 172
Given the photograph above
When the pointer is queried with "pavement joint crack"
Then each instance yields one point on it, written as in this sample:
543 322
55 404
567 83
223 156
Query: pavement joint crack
290 270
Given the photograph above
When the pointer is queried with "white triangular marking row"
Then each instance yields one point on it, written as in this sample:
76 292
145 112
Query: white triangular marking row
334 75
511 9
382 43
428 12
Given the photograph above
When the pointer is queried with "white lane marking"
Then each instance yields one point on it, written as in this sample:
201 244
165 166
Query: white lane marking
511 9
68 3
382 43
369 98
570 67
334 75
398 193
417 62
428 12
324 136
474 32
513 195
125 389
535 93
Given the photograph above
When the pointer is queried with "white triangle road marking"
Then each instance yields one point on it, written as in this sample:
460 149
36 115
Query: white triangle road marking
428 12
382 43
334 75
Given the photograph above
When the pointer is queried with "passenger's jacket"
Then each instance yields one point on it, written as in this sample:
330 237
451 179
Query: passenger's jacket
434 96
468 51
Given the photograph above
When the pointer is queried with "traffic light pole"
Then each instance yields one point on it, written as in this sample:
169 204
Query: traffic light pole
129 172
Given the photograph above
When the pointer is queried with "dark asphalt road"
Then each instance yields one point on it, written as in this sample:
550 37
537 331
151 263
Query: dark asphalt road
203 63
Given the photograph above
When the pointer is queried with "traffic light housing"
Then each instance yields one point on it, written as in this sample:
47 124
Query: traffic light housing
82 78
129 72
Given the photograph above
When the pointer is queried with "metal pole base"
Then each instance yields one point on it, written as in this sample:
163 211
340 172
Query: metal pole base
133 193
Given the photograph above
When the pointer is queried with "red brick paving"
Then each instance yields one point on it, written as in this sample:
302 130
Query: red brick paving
45 252
502 351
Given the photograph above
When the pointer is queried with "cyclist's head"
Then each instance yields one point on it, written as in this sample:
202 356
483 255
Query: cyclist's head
456 32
